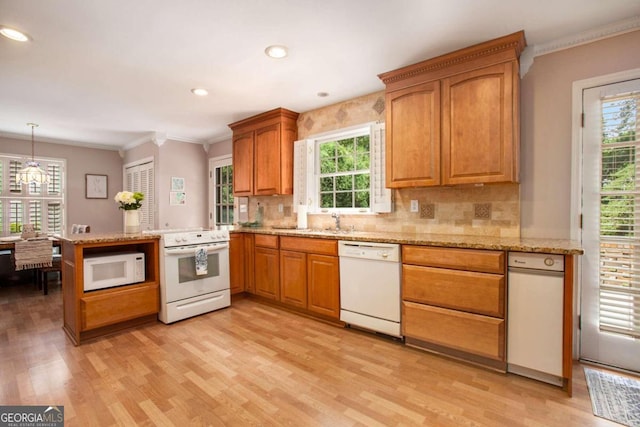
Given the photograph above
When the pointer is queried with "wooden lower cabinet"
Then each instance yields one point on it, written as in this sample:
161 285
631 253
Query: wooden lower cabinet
90 314
293 278
453 302
267 273
236 263
323 285
309 275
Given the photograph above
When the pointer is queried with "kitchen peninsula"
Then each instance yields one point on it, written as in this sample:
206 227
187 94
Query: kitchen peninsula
88 314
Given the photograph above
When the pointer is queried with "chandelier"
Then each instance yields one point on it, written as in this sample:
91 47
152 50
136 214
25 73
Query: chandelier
32 173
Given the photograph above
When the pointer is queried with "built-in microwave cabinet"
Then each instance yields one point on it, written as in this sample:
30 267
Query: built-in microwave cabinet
88 314
263 153
454 119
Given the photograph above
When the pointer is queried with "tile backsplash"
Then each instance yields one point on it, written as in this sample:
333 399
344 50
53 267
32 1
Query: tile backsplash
490 210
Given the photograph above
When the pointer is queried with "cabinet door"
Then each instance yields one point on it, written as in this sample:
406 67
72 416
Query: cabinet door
267 160
243 164
293 278
413 136
323 285
479 134
236 263
267 273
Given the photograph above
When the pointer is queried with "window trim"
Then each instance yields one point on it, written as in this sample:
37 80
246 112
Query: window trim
307 167
215 162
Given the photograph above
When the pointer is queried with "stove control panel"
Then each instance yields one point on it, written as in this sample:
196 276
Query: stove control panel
195 237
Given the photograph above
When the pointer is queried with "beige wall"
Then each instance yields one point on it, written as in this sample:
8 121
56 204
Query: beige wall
183 160
102 214
546 116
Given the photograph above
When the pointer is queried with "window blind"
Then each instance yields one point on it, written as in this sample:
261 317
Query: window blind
619 282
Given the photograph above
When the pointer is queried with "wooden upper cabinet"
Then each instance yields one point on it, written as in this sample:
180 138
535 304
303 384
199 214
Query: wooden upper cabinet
243 164
263 153
479 115
454 119
413 136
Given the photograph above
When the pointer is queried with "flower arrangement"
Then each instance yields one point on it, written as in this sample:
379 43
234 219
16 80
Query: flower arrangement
129 201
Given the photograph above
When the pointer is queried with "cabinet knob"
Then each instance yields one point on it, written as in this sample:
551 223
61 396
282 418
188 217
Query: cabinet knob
549 262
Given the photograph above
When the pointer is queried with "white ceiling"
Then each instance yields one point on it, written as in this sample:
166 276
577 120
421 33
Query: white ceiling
115 72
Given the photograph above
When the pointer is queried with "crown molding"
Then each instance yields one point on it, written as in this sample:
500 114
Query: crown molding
599 33
614 29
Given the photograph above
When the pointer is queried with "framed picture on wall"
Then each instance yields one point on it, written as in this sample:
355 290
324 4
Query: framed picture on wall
177 184
95 186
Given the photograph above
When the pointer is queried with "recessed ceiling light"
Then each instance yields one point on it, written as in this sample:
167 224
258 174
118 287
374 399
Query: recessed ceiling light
323 94
276 51
12 34
200 91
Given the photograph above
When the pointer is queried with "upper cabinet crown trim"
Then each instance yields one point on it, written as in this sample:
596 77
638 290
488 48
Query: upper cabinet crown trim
509 47
260 119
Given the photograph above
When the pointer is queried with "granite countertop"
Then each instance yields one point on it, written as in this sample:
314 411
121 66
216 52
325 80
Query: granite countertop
552 246
82 238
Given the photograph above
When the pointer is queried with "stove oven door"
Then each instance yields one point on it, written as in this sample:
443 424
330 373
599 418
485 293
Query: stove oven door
180 278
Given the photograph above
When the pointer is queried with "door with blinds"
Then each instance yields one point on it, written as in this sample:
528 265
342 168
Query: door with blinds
140 178
610 300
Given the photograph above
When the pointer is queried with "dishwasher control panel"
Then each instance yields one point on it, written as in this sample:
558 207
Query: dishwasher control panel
369 250
536 261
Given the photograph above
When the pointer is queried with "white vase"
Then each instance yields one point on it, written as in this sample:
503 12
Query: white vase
131 221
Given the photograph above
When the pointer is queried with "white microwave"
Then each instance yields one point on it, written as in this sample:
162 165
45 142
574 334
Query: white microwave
113 269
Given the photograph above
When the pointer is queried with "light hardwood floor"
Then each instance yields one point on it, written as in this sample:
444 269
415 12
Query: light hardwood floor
252 364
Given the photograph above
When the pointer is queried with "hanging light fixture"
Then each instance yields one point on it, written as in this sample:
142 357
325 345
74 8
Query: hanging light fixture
32 173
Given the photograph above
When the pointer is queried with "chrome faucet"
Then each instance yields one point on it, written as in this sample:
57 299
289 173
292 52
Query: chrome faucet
336 216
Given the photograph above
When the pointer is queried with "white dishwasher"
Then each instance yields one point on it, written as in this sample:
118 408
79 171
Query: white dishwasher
370 286
535 315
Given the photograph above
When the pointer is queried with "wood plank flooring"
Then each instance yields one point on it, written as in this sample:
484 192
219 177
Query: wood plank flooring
253 364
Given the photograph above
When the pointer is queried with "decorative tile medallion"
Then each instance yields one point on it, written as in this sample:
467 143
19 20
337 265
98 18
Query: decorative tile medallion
308 124
378 107
482 210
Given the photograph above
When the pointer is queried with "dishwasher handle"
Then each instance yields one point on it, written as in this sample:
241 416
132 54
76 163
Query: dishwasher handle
536 272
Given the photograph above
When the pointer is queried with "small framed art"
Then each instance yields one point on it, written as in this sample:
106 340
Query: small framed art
96 186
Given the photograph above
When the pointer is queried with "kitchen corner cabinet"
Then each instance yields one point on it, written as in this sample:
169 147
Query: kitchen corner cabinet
263 153
454 119
91 314
453 302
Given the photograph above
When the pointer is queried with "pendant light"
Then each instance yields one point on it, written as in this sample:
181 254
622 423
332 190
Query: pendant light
32 173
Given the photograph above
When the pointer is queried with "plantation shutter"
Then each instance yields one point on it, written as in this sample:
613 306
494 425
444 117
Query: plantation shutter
54 217
303 174
140 178
619 281
380 195
14 168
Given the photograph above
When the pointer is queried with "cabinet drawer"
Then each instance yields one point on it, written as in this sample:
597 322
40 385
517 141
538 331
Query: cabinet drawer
309 245
454 258
480 293
117 306
267 241
471 333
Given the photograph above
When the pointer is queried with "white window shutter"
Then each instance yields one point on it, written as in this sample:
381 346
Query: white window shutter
303 174
380 195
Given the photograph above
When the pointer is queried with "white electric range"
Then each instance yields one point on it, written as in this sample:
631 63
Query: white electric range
187 291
